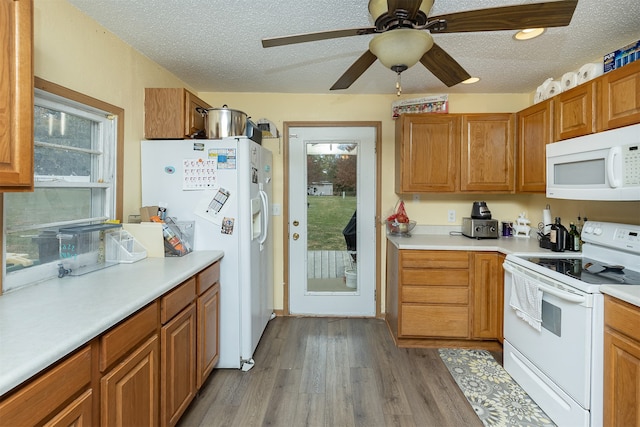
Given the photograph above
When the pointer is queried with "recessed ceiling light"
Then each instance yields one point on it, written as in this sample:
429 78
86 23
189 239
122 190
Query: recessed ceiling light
529 33
471 80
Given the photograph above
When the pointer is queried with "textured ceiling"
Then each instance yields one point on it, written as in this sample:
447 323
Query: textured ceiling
215 46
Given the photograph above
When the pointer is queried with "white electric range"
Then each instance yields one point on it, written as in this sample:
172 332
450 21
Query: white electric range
553 340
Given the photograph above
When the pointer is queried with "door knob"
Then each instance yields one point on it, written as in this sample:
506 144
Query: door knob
296 223
296 236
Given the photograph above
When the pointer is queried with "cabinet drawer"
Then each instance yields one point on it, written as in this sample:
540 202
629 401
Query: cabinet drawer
435 294
622 316
434 259
32 403
208 277
429 277
434 321
176 300
124 337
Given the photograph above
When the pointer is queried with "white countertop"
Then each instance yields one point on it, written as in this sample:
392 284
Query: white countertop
509 245
446 242
42 323
630 294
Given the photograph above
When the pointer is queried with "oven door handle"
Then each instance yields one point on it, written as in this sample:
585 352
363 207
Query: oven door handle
567 296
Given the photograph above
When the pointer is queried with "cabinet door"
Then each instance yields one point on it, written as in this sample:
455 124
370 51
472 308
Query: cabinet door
487 296
487 153
77 414
535 131
427 153
574 112
130 391
621 363
178 361
194 121
622 380
16 95
208 333
41 398
619 97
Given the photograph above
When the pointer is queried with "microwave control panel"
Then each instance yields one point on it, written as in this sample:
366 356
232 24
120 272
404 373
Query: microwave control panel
631 160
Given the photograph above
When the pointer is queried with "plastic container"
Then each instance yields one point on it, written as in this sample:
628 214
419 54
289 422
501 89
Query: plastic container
121 246
400 228
352 278
82 248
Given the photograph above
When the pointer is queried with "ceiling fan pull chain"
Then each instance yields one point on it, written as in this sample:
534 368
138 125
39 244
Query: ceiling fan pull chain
398 85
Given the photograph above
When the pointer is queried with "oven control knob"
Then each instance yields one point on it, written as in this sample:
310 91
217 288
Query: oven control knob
478 228
597 231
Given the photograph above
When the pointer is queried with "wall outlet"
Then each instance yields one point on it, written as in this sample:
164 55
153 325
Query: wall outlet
451 215
275 209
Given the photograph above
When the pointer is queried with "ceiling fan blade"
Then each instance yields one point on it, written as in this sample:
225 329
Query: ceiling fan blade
355 71
443 66
321 35
411 7
534 15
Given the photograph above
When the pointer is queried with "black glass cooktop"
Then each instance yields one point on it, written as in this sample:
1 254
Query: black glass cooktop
590 271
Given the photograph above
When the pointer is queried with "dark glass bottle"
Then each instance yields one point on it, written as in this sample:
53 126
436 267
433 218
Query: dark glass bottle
558 236
575 244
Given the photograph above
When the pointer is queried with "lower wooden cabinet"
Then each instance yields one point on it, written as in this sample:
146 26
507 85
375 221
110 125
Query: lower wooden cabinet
208 333
443 295
144 371
77 414
130 367
130 391
621 363
208 290
178 352
488 291
62 395
178 365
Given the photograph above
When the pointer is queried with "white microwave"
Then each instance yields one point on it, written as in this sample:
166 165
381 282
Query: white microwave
600 166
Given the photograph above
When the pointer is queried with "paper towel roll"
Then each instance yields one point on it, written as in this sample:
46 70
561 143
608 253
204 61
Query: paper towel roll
552 90
589 71
546 220
569 80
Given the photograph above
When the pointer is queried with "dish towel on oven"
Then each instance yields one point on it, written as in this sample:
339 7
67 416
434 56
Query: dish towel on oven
526 300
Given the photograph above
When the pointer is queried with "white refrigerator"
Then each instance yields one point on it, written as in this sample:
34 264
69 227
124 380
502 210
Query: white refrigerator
225 187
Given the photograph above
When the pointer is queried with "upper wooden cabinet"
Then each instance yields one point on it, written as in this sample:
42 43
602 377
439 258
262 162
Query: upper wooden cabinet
427 153
455 152
574 112
16 95
535 131
170 113
487 153
619 97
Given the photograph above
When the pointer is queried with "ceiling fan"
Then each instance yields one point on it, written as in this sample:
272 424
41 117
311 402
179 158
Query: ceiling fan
400 41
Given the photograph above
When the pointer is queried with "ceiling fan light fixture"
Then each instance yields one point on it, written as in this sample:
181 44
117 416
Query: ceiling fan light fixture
377 8
470 80
529 33
400 47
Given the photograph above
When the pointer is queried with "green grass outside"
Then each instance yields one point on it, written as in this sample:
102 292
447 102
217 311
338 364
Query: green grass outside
326 218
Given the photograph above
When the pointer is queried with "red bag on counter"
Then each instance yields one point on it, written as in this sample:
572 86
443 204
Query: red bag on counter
400 214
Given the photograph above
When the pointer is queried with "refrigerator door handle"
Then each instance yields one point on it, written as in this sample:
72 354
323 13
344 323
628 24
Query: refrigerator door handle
265 215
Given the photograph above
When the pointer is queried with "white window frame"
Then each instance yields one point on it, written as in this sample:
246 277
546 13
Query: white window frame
103 175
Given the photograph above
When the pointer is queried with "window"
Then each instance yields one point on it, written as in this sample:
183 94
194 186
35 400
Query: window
75 168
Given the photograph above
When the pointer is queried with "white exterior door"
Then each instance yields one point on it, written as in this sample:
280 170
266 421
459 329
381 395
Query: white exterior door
332 178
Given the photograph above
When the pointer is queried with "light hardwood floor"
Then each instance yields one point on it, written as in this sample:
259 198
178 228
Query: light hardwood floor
332 372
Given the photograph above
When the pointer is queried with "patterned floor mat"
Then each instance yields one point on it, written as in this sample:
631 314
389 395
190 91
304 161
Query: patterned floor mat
494 395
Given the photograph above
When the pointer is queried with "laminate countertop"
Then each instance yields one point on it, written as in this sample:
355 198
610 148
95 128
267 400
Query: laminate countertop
510 245
42 323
